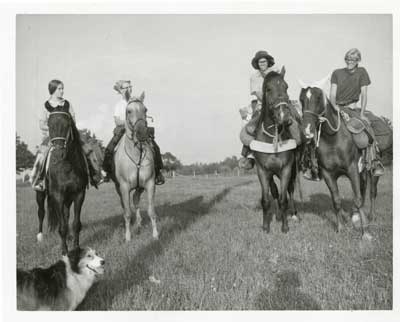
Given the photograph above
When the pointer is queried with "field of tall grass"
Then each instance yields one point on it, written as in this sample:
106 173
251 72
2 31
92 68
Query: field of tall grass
213 255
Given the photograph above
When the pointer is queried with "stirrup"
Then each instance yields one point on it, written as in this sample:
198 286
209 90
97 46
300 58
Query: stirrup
159 179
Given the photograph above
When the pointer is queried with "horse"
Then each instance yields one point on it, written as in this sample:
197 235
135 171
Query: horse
336 152
96 157
133 166
66 179
275 113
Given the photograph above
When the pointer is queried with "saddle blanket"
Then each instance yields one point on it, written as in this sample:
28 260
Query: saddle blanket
264 147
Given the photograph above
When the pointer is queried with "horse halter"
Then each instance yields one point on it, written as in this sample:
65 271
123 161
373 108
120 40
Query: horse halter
322 119
65 139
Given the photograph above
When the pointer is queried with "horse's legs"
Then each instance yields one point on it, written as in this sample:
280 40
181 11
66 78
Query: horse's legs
265 178
355 184
364 177
40 199
117 188
136 200
124 189
292 204
76 225
151 190
337 203
63 225
275 196
283 199
372 194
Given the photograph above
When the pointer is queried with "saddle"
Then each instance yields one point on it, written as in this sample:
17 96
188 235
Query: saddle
358 129
364 133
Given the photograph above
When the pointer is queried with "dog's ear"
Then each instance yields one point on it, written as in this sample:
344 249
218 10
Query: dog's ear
74 257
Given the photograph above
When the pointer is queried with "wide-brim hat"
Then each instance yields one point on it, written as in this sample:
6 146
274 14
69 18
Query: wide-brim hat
262 54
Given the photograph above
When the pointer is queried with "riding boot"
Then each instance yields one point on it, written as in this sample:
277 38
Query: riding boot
38 182
158 163
376 164
109 151
247 162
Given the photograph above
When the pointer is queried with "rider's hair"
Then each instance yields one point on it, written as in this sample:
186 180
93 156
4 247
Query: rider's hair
53 85
353 53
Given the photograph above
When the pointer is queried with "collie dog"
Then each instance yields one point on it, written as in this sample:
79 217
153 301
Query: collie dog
62 286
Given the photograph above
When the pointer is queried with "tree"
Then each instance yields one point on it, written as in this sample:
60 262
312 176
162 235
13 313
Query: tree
171 163
24 157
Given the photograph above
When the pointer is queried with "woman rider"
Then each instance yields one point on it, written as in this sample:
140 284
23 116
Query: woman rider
57 102
263 63
348 85
124 88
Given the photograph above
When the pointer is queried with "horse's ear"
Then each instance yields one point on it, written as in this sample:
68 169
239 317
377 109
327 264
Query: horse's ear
142 96
283 71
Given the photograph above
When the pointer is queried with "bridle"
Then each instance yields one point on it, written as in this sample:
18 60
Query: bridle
275 134
136 143
60 138
320 117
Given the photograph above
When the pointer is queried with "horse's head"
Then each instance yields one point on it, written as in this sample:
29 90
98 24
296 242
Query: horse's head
313 103
276 98
136 118
60 130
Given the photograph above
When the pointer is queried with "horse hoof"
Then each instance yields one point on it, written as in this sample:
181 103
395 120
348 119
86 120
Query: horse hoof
39 237
366 237
295 218
266 229
285 229
356 220
155 236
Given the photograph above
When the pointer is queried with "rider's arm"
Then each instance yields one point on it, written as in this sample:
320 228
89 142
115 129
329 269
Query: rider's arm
43 121
119 109
364 91
72 112
118 121
364 82
332 96
256 86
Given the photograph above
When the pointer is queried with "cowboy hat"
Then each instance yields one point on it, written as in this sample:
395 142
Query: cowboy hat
262 54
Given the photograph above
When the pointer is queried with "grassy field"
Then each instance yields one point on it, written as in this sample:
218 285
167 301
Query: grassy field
213 255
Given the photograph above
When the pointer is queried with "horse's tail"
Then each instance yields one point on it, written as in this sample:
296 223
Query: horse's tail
53 218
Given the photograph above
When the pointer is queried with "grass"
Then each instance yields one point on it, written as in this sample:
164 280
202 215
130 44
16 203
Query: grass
213 255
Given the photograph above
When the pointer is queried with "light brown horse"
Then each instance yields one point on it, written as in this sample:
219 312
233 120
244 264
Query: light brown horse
134 166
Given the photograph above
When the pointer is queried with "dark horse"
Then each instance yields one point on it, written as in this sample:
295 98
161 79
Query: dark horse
95 156
275 114
66 180
336 152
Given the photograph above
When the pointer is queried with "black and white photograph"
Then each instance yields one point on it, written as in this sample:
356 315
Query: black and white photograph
202 161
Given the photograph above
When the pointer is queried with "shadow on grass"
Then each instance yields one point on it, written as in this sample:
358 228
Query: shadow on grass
135 271
286 295
320 205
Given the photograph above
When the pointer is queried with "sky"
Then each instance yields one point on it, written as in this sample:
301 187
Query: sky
194 69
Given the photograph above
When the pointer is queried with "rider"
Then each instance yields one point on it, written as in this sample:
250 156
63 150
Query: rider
347 85
124 88
56 102
263 63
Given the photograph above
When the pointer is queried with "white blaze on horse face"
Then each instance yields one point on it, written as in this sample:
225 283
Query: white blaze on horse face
309 94
308 133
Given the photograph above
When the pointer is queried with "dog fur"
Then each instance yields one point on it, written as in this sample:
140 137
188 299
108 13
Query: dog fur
62 286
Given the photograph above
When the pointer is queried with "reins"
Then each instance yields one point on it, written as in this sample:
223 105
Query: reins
322 119
277 135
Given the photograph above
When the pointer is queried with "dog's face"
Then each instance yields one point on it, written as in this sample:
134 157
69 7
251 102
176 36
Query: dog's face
86 260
